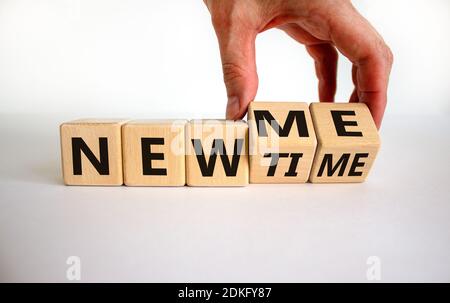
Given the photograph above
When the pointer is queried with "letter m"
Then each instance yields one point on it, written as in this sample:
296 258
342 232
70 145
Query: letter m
327 162
295 115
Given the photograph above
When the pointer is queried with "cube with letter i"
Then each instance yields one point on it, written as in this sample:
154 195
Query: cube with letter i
282 142
348 142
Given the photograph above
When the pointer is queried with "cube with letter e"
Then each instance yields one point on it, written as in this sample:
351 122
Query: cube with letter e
348 142
154 152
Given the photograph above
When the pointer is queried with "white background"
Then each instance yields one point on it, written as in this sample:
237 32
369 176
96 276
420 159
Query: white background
160 58
61 60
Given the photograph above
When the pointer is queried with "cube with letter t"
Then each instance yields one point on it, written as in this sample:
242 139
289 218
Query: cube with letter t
348 142
91 152
282 142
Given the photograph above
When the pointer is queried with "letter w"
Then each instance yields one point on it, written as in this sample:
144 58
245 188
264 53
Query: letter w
218 147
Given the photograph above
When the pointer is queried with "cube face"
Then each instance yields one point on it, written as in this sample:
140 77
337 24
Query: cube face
282 142
91 152
348 142
154 152
216 153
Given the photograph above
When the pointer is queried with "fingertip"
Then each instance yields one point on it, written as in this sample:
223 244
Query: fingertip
354 96
236 108
378 121
233 108
377 113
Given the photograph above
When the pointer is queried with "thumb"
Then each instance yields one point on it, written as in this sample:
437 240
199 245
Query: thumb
237 51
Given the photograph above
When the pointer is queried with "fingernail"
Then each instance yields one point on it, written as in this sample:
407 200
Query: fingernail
233 107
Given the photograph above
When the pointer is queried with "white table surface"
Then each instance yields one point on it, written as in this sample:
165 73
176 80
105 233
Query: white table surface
260 233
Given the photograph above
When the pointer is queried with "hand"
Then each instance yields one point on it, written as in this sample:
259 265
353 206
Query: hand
323 26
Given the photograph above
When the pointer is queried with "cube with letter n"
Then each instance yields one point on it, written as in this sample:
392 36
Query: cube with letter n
92 152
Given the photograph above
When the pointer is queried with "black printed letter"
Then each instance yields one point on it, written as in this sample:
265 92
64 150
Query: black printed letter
148 156
340 124
356 164
218 147
101 166
328 161
298 116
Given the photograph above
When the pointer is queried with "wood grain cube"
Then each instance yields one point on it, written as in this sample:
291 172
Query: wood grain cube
91 151
217 153
154 152
282 142
348 142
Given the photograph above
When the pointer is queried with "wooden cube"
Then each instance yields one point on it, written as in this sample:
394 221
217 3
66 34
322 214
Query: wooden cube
91 151
216 153
282 142
154 152
348 142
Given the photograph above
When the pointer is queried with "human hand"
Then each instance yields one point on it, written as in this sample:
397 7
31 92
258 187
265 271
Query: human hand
323 26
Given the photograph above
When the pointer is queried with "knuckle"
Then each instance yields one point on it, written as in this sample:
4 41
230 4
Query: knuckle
383 54
232 72
229 16
389 56
219 20
225 21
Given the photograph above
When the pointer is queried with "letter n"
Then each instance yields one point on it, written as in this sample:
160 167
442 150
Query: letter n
78 146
